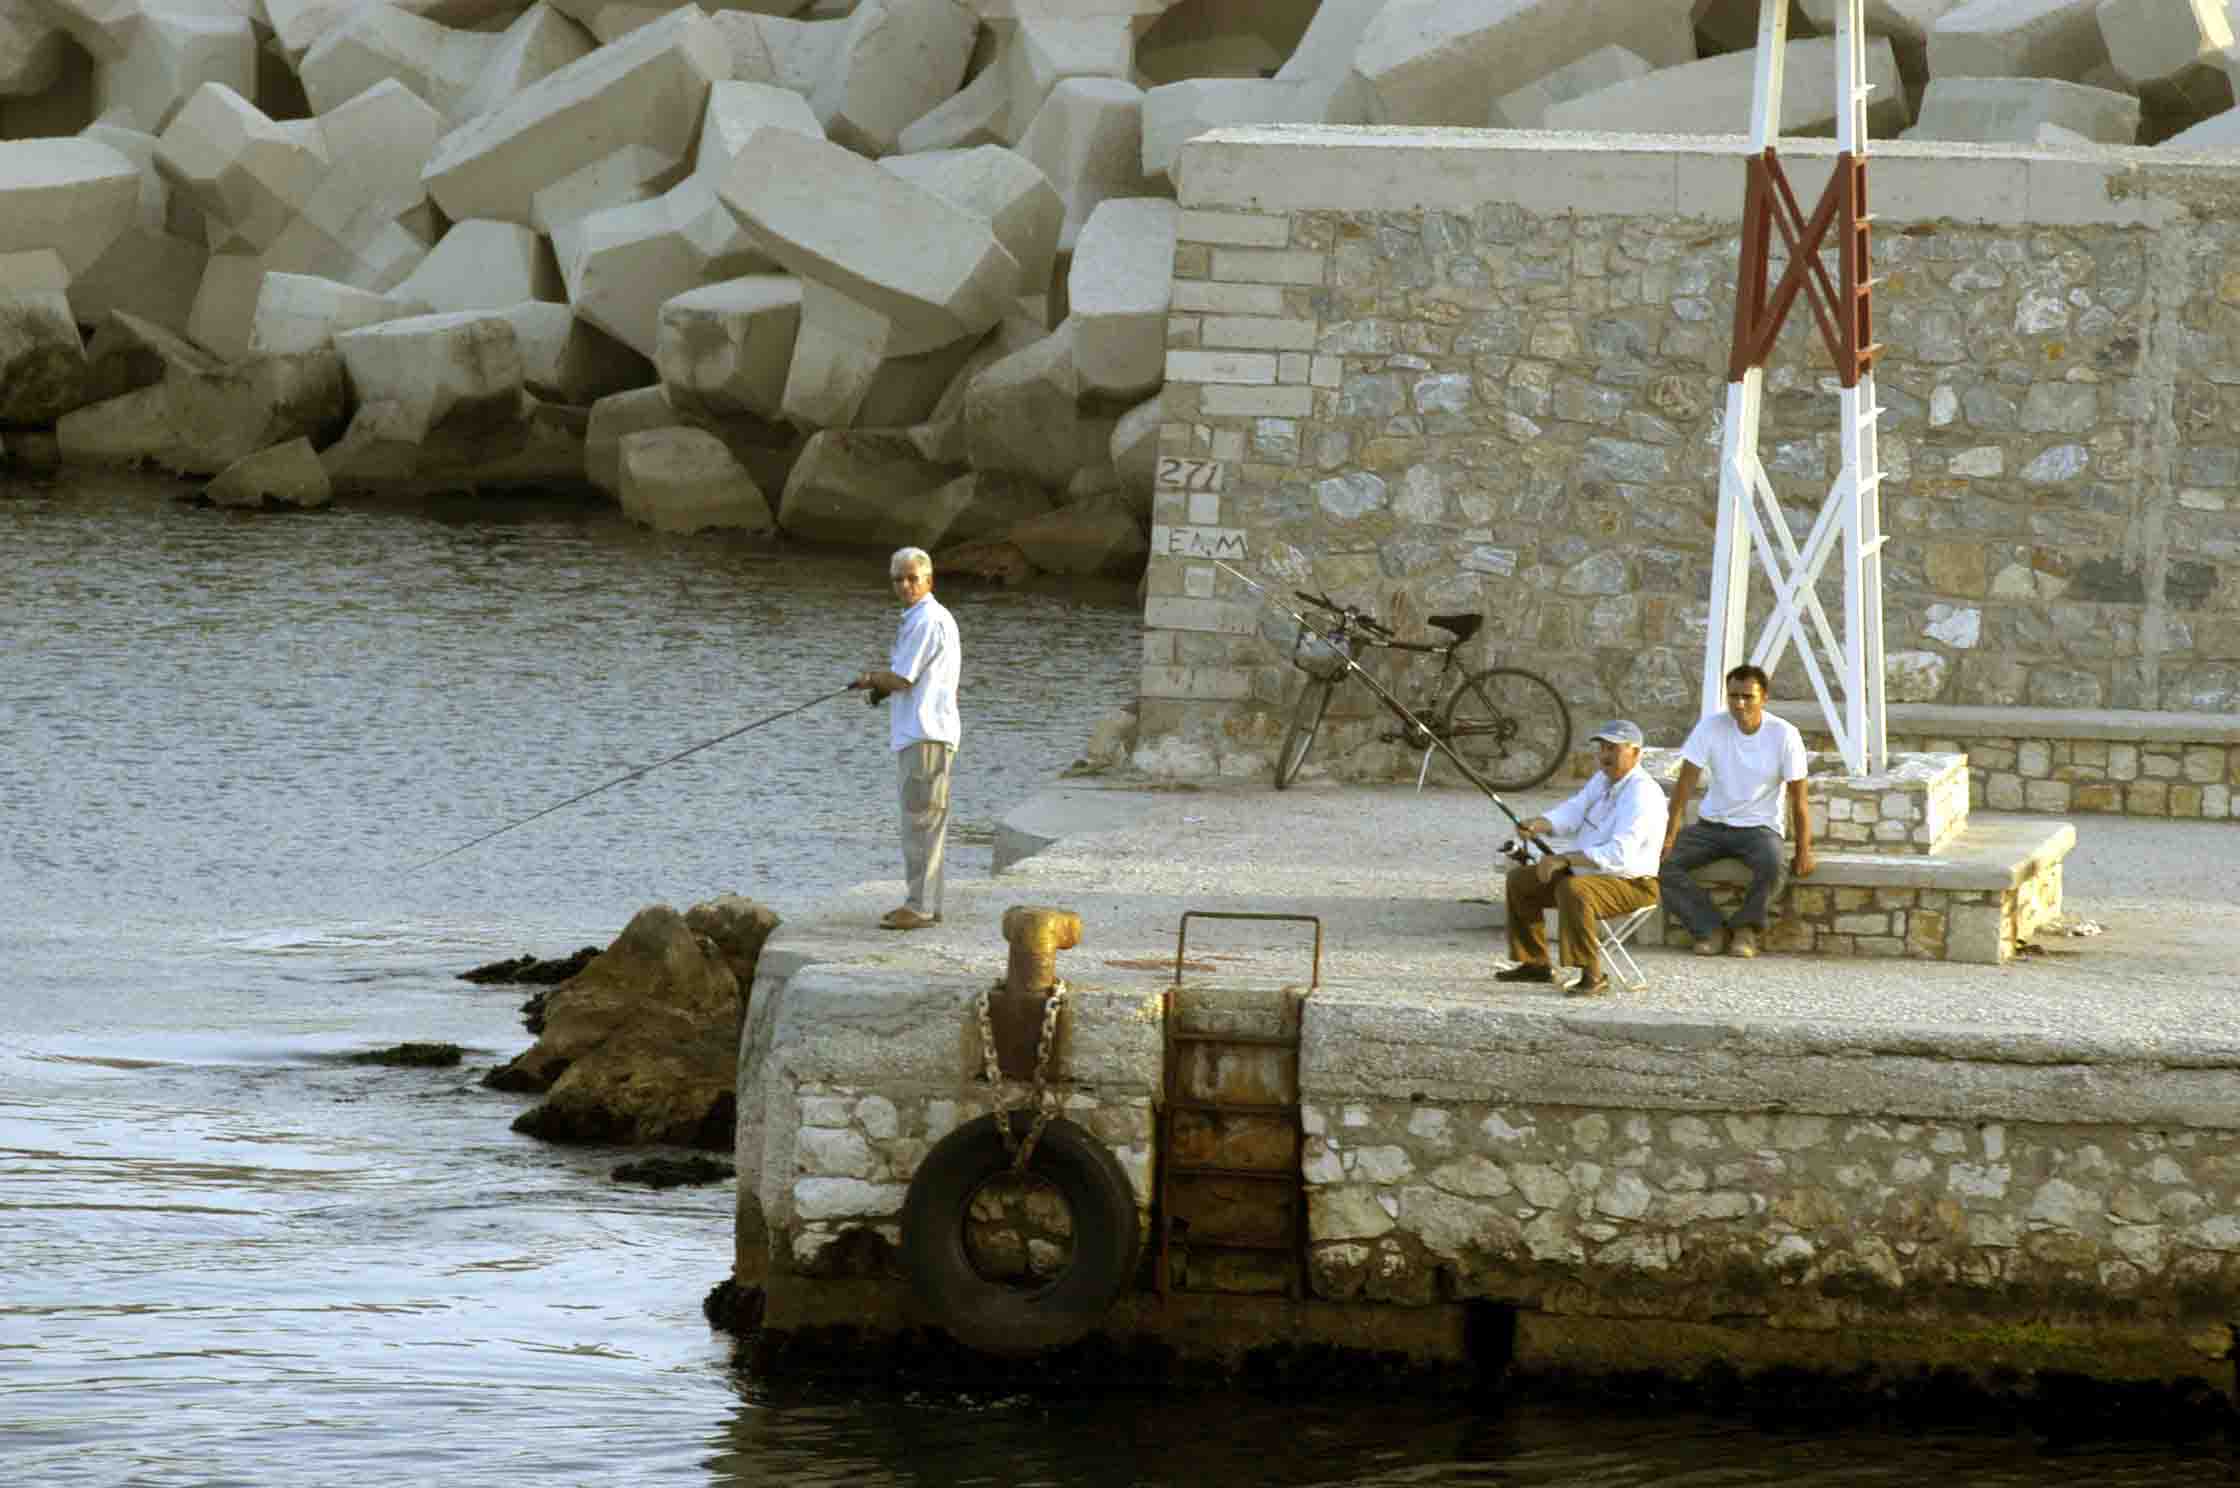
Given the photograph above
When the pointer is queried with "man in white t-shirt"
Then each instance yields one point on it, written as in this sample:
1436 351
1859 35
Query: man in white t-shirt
1756 761
922 730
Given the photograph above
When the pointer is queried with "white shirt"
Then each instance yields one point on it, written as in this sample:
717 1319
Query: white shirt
1748 771
927 651
1618 825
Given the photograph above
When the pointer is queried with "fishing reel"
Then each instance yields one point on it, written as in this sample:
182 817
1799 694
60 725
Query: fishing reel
1519 851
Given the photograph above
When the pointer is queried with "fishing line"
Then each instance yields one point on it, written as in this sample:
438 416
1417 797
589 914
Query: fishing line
634 774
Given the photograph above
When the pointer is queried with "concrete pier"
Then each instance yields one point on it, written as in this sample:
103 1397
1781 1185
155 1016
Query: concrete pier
1839 1164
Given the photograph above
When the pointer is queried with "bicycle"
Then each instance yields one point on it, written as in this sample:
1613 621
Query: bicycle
1510 725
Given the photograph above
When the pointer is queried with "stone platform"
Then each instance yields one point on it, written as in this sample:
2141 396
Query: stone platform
1835 1163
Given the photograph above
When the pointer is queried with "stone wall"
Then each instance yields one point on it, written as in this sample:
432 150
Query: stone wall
1483 371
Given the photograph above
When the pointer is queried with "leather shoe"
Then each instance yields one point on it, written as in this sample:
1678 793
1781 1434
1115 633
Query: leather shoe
1597 987
1744 942
907 918
1525 971
1711 945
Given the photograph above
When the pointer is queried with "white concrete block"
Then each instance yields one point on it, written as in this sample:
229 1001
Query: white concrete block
378 142
567 360
75 196
1178 112
735 111
32 48
297 25
433 367
296 312
623 263
2018 38
1004 187
484 266
1714 96
973 115
1088 139
538 43
42 359
202 416
1040 52
1022 414
612 419
726 348
1134 448
376 42
685 480
794 55
148 270
2171 52
1446 61
1604 67
1905 22
2012 110
647 90
1118 288
634 173
849 484
838 348
937 272
248 175
225 304
896 60
171 55
105 28
287 474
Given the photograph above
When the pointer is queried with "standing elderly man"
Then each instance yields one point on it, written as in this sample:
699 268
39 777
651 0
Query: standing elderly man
1754 758
922 730
1602 862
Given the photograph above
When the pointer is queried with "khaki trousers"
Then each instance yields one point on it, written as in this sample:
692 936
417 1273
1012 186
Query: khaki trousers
922 771
1582 900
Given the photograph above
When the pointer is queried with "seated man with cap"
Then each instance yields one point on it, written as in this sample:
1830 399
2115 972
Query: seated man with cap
1602 862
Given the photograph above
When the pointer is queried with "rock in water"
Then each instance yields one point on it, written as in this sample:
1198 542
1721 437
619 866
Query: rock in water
642 1045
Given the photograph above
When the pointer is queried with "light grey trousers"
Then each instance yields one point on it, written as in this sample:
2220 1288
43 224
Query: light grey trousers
923 772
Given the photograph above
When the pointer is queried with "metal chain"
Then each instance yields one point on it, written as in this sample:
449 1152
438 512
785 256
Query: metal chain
1043 1100
994 1072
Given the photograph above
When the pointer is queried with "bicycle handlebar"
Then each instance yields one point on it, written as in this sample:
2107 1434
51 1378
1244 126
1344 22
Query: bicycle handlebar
1347 613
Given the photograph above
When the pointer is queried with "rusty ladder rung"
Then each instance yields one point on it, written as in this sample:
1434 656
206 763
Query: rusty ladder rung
1248 1040
1249 1175
1233 1108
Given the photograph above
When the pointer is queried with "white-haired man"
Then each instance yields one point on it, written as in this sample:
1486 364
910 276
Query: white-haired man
922 729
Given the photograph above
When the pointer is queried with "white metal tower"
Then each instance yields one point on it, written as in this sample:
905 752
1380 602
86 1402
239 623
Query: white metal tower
1750 515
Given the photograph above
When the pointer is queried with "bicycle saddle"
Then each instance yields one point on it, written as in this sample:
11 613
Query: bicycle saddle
1463 626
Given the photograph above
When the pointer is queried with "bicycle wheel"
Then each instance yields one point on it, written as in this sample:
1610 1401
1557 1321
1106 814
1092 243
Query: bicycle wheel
1510 726
1306 717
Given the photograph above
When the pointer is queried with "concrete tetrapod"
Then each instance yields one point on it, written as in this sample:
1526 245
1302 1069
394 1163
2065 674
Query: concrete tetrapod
726 348
1714 96
72 195
287 474
1120 287
895 60
645 90
1446 61
2012 111
685 480
2018 38
936 272
1004 187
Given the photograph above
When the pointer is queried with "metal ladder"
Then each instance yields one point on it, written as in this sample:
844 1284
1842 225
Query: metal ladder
1232 1198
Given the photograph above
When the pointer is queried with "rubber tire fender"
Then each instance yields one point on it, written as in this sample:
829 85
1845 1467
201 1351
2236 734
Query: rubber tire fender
996 1317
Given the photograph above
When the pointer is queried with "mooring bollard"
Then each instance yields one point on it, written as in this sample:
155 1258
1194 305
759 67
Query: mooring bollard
1036 934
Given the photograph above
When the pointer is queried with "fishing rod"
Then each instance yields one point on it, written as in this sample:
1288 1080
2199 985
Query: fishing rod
1393 703
743 728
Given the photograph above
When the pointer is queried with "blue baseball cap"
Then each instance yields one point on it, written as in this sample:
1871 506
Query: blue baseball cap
1618 731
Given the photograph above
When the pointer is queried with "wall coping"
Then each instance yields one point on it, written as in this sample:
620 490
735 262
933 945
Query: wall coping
1358 168
1995 853
1953 721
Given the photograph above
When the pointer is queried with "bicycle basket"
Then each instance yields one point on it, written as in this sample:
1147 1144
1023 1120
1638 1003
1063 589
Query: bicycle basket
1321 657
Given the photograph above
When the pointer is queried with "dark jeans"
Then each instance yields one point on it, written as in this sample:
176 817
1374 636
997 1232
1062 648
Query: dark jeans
1703 842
